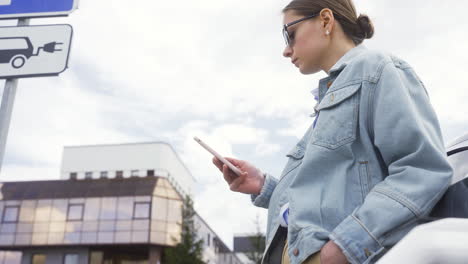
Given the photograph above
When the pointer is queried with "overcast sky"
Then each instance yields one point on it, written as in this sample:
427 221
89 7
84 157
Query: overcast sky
171 70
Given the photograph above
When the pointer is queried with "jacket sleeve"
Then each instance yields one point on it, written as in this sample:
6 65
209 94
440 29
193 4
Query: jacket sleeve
263 199
407 136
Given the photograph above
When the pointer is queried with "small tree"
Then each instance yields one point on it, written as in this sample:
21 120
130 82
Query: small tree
189 250
258 243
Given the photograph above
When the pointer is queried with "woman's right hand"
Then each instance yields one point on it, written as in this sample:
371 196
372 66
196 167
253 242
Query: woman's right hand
250 181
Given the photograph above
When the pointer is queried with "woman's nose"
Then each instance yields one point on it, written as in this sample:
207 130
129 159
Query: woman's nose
287 51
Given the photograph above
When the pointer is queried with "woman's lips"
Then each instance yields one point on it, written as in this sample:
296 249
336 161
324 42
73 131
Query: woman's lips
294 61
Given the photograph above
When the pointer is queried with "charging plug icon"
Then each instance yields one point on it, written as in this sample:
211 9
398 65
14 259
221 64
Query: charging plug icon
51 47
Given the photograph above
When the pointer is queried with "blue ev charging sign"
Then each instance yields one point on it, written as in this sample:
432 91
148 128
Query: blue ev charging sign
36 8
31 51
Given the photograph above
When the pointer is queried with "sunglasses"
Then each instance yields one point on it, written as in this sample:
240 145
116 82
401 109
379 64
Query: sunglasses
288 38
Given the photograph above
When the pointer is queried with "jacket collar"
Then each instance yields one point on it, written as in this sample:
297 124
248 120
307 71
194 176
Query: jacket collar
346 59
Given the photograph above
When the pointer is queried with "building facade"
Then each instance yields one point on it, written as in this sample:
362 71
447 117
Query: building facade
112 218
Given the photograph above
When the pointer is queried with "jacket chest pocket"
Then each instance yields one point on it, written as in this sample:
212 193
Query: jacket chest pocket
338 117
295 159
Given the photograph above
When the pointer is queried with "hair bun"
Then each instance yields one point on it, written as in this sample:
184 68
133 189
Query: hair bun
366 26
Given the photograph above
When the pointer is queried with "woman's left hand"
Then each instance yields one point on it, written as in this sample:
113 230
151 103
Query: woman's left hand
332 254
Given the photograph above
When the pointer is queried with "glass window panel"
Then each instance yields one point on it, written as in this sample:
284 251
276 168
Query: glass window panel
175 213
13 203
158 238
141 225
23 239
92 207
24 228
27 211
141 210
125 208
123 237
172 239
89 237
171 193
142 198
72 238
139 237
59 210
57 227
106 225
160 191
90 226
71 259
8 228
55 238
108 208
176 228
73 227
10 214
160 226
105 237
75 212
12 257
104 174
43 211
7 239
39 238
159 209
77 201
41 227
124 225
96 257
39 259
134 173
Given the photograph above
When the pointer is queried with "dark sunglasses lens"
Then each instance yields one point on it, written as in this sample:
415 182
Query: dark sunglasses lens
286 36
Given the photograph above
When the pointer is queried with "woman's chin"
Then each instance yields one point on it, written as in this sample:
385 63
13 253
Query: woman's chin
306 70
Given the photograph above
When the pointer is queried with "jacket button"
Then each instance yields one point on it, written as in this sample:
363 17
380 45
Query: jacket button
329 84
296 252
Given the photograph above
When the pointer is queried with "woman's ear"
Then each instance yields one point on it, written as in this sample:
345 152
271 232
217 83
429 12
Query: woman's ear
327 19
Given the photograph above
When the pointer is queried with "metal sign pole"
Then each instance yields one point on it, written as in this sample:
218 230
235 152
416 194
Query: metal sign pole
6 108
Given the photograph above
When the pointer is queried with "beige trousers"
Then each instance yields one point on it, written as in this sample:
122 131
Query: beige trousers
314 259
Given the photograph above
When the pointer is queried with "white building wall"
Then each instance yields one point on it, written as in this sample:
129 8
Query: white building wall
131 159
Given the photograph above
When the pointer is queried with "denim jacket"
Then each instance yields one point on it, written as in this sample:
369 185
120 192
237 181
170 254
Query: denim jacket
370 170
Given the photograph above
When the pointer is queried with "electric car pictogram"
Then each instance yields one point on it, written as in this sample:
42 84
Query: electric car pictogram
17 50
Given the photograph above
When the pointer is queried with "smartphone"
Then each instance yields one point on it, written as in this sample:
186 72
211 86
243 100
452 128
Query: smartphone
223 160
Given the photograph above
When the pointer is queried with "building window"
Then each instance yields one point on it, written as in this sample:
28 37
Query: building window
208 240
150 173
141 210
73 175
88 175
119 174
10 257
96 257
103 174
10 214
75 212
134 173
38 259
71 259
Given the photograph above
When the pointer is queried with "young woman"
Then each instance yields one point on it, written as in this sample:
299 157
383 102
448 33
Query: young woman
372 163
